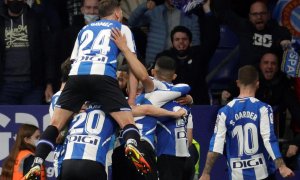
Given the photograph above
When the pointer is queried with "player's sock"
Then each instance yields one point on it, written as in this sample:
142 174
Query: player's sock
130 131
47 142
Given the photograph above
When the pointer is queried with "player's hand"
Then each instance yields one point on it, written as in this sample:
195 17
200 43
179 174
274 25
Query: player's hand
33 173
285 44
48 93
185 100
119 39
206 6
225 95
150 4
292 151
205 177
180 113
286 172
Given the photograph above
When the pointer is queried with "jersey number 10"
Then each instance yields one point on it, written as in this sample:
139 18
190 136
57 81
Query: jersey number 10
247 138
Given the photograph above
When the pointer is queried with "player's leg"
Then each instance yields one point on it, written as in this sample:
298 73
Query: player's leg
114 102
170 167
131 137
82 169
68 103
122 168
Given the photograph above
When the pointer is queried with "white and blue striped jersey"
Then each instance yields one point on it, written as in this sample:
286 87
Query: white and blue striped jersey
94 53
172 133
246 125
163 93
89 135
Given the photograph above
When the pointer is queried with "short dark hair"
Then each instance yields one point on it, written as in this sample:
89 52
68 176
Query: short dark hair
182 29
247 75
258 1
166 63
107 7
65 68
273 52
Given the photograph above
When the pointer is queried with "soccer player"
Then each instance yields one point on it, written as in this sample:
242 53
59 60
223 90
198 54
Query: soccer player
93 78
88 141
61 149
164 92
246 125
172 144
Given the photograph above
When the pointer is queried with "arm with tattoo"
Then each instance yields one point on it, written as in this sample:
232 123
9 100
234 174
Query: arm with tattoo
279 162
210 161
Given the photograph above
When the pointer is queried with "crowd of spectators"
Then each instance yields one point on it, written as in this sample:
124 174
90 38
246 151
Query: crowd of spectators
37 36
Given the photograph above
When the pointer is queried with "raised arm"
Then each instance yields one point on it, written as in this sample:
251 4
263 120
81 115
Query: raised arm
136 67
210 30
141 15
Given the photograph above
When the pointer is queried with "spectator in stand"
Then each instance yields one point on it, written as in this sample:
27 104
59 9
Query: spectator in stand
277 90
162 19
26 64
49 10
192 61
257 35
89 10
19 161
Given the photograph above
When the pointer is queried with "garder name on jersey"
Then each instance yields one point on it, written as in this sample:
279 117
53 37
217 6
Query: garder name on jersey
245 114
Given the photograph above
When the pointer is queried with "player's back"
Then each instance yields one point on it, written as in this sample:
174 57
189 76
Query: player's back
89 135
163 93
172 133
245 120
94 52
